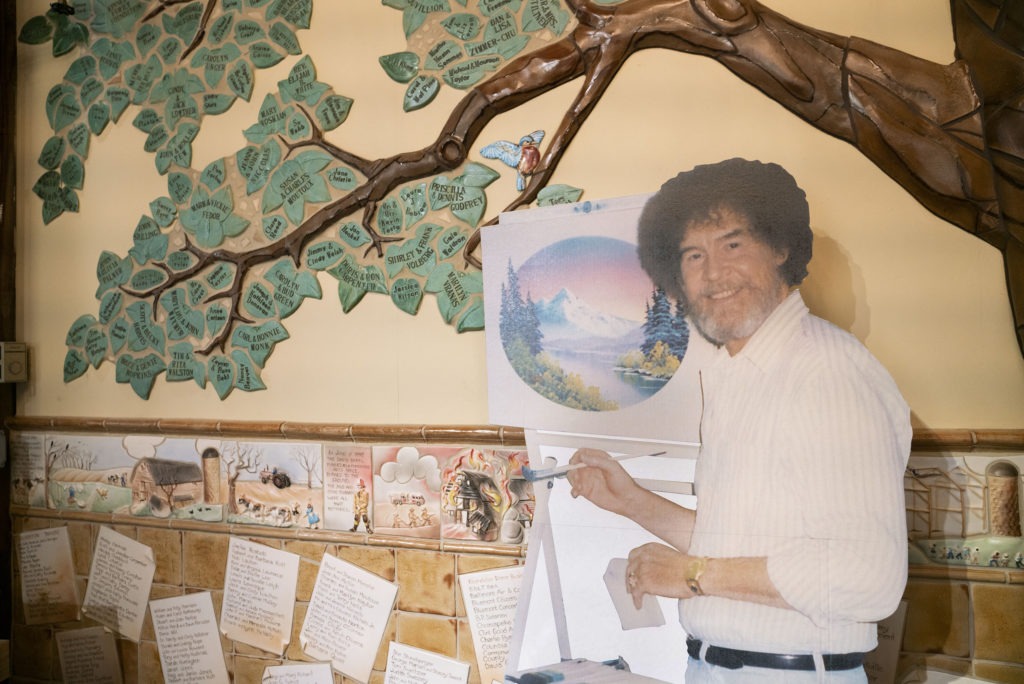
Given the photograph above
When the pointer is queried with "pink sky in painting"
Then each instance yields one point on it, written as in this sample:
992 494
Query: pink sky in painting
603 272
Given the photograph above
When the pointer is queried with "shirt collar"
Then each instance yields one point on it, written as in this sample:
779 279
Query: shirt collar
766 344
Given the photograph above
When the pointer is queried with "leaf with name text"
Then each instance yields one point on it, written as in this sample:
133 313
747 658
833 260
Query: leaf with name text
301 84
354 281
116 18
454 289
111 271
184 365
139 372
417 254
182 320
558 194
401 67
291 287
143 332
221 373
150 242
271 120
211 218
407 293
259 340
296 183
75 365
247 375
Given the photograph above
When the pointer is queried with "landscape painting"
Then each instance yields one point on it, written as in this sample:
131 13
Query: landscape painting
586 342
578 337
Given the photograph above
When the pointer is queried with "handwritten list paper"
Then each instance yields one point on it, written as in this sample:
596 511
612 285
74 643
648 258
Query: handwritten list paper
408 665
187 638
88 656
491 598
119 583
47 576
346 617
314 673
259 595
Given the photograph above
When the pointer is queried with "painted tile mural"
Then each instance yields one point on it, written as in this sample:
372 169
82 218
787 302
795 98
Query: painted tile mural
965 509
423 491
484 496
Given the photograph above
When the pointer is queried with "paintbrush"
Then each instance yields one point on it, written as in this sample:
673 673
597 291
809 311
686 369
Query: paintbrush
532 475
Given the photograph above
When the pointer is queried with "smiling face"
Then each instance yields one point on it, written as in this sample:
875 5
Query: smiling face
730 277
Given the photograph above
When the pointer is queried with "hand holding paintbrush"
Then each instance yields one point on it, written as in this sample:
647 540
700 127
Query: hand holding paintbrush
547 473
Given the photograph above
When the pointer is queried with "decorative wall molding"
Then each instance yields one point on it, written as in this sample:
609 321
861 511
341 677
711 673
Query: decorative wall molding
497 435
925 439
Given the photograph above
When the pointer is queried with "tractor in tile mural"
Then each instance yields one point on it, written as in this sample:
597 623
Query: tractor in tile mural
233 249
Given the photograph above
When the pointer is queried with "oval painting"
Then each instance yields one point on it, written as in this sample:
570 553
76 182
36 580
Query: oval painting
583 326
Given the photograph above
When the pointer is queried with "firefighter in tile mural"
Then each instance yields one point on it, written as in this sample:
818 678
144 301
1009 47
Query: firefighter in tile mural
361 508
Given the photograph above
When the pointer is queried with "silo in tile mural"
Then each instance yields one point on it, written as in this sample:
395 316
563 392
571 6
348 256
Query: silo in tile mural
211 476
1002 479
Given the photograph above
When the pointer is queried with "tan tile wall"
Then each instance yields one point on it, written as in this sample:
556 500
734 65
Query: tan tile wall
967 621
428 613
960 620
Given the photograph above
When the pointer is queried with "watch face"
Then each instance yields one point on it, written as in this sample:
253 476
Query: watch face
693 585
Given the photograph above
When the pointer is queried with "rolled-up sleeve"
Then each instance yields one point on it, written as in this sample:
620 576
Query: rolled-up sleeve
847 438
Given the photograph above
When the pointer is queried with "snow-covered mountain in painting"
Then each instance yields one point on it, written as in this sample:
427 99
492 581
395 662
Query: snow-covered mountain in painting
566 318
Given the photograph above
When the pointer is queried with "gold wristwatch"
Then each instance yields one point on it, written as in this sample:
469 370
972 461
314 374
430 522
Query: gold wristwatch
694 569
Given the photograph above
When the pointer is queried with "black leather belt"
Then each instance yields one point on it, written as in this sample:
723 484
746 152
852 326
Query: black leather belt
734 659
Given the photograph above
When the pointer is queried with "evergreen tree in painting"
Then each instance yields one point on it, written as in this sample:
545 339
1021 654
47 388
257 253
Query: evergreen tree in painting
679 341
659 326
531 331
666 336
518 319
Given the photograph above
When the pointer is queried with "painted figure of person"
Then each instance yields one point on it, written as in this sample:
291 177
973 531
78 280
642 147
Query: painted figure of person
361 508
798 545
312 519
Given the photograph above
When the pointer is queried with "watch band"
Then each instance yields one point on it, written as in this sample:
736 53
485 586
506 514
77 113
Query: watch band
694 569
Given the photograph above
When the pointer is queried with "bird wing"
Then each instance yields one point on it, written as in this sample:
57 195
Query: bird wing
506 151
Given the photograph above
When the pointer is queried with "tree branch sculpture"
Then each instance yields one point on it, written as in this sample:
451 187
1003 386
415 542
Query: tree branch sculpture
949 134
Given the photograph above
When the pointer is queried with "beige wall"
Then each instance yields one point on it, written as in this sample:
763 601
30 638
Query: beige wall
928 299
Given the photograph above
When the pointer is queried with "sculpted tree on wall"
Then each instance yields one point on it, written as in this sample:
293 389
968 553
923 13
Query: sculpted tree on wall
234 248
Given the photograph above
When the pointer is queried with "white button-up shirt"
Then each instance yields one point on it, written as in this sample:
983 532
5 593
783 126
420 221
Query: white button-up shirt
806 439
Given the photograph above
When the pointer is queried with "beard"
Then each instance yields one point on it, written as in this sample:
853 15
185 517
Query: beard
720 327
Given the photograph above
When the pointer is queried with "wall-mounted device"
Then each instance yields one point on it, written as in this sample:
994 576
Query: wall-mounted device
13 362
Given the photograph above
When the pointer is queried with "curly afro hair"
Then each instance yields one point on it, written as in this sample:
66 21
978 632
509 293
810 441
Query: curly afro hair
763 192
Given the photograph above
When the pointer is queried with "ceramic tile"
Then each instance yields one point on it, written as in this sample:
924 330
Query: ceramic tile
998 672
429 632
82 537
937 619
36 651
426 582
205 559
150 671
999 622
379 561
128 656
467 650
167 552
